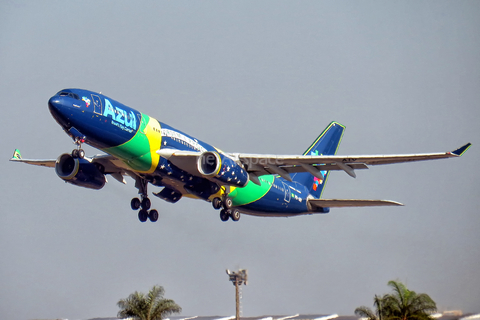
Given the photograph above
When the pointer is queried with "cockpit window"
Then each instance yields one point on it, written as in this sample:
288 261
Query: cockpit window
69 94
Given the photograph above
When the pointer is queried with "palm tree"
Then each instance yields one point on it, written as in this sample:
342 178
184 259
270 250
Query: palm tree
151 306
378 314
402 304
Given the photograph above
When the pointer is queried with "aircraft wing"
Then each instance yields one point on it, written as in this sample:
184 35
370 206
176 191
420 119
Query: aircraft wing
112 165
284 165
339 203
37 162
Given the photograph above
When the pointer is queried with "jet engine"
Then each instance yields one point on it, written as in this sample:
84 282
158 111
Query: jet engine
80 172
222 168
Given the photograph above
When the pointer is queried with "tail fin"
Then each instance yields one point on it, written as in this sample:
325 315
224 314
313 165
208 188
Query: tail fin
326 144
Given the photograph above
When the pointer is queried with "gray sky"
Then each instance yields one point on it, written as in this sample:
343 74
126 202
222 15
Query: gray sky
249 76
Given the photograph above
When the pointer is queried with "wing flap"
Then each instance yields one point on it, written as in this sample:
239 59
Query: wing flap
339 203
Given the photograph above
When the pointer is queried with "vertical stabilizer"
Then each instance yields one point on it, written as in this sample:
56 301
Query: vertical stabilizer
326 144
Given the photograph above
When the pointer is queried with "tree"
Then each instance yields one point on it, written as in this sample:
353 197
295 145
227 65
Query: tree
402 304
367 313
150 306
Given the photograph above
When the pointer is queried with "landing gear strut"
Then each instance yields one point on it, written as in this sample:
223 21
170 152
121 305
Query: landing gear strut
144 204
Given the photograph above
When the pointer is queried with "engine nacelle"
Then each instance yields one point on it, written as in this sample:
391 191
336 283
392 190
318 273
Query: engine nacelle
222 168
79 172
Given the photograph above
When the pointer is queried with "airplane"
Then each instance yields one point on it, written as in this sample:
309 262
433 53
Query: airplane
152 152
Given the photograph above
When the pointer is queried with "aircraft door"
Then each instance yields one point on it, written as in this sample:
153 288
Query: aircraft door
97 104
288 193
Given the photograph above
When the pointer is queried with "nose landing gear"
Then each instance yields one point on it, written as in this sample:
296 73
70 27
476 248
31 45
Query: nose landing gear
79 152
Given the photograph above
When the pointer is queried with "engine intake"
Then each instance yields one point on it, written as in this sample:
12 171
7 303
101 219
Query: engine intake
209 163
80 172
221 168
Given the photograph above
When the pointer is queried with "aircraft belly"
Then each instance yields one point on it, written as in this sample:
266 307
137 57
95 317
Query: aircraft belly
274 203
175 185
184 182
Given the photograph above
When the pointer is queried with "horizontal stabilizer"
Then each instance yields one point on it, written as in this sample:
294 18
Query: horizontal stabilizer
338 203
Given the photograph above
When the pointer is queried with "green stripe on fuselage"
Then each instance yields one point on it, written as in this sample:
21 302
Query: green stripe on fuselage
252 192
136 151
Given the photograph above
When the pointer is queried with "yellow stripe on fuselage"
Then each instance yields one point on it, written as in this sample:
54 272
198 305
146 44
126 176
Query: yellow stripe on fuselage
153 133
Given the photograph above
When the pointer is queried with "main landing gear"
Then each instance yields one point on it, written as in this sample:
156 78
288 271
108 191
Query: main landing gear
144 204
144 214
226 211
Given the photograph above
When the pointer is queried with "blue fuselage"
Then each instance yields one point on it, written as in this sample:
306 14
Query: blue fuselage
135 139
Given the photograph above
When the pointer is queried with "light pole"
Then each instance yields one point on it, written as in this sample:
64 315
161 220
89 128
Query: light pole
238 278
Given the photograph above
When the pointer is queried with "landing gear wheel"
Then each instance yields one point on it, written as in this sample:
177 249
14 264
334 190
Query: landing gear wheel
78 153
153 215
224 215
235 214
227 203
146 204
216 203
135 204
142 215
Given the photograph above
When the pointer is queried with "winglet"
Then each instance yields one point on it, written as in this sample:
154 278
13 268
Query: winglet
460 151
17 155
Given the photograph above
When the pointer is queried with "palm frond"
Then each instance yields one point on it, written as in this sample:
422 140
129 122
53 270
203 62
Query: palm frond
401 304
151 306
365 312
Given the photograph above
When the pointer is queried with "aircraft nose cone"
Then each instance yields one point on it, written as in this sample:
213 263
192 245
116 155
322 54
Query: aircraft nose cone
54 104
57 108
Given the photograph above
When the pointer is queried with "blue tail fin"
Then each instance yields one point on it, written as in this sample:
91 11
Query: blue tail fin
326 144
